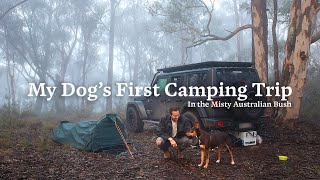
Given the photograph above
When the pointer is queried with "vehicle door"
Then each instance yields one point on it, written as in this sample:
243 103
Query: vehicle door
179 79
156 105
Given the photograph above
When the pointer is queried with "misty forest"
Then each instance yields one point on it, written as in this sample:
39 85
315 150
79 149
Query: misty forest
87 42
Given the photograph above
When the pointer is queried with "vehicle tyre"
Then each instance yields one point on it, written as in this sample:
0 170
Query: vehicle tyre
134 122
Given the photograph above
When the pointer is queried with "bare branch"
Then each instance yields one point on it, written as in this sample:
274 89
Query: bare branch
7 11
99 18
212 37
72 47
50 76
34 67
228 30
209 13
52 39
197 43
26 76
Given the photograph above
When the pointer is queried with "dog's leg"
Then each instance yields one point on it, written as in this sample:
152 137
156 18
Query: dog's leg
219 154
202 149
231 155
207 158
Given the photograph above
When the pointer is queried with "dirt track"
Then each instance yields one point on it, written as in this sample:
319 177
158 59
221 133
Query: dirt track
34 156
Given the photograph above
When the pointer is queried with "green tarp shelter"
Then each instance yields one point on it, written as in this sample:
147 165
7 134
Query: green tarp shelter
92 135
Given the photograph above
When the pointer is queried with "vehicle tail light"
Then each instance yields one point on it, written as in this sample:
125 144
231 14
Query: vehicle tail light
220 123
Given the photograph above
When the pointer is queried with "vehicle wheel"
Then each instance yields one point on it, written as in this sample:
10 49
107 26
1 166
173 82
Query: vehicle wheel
134 122
193 117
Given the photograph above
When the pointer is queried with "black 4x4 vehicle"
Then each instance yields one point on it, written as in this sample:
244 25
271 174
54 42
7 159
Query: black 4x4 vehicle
152 108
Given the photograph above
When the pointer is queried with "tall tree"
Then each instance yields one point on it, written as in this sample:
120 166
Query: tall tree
185 19
30 43
275 41
89 16
11 72
260 35
294 73
204 33
62 30
111 48
275 51
137 47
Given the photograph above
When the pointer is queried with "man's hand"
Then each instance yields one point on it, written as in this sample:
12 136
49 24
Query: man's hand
172 142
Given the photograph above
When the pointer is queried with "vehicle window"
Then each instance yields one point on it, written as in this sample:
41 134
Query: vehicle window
203 79
161 83
198 79
178 80
193 80
230 77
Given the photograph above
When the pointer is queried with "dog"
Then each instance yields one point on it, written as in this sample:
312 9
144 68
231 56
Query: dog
209 141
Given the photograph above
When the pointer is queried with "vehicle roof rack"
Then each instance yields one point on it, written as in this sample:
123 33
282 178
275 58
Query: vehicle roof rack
207 64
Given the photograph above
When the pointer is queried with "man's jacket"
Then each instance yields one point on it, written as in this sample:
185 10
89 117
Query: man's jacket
165 127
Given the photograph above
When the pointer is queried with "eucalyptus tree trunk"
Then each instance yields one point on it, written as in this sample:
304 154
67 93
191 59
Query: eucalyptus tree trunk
297 53
275 110
275 42
260 34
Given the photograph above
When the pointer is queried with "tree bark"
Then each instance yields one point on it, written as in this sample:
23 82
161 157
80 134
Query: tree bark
275 42
259 32
297 56
275 110
290 43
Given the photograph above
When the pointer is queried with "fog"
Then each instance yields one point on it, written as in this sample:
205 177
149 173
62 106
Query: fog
54 42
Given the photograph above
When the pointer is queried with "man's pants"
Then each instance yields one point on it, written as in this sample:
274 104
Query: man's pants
182 143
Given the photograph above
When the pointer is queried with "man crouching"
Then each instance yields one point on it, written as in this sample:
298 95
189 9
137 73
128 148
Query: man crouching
172 131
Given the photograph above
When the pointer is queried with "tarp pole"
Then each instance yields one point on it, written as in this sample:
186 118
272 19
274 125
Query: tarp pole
123 139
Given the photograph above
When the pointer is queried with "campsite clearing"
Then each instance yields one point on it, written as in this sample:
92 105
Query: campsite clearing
28 153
